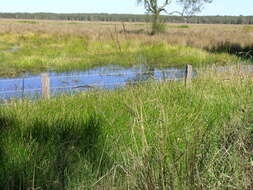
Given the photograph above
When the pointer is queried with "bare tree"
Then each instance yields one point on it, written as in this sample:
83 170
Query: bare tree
156 7
190 7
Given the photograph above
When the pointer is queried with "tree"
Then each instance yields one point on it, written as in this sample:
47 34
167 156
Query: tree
156 7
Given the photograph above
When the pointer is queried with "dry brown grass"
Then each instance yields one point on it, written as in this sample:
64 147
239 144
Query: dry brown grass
200 36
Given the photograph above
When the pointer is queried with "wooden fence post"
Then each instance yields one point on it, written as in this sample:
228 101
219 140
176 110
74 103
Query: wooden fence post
45 85
188 75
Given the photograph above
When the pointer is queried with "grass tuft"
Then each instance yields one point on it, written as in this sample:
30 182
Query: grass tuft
27 22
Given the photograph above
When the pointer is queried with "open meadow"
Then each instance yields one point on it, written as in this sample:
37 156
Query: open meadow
158 135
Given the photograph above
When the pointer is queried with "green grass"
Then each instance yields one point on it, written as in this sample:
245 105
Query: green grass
179 26
158 136
5 46
27 22
248 28
74 23
41 52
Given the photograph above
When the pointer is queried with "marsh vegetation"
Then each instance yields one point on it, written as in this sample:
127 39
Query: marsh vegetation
59 46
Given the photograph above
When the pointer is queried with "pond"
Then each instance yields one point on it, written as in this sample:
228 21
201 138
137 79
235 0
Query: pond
107 77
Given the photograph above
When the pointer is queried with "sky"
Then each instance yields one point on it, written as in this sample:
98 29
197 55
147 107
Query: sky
218 7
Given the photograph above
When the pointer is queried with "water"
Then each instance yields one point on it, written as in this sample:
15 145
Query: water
108 77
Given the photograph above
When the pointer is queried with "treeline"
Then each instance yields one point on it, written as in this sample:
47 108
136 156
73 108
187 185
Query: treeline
131 18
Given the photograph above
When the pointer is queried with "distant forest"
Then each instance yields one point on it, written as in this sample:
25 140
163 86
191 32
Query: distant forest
131 18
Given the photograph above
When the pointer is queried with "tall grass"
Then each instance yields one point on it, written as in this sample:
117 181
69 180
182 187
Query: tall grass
158 136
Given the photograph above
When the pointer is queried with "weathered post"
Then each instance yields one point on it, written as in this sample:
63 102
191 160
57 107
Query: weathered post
45 85
188 75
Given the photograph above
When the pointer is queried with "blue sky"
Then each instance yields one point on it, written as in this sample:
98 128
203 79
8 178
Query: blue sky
218 7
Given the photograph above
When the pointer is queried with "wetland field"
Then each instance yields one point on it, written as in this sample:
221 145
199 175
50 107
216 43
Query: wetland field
147 136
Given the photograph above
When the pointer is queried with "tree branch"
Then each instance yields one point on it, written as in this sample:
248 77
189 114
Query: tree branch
167 2
174 12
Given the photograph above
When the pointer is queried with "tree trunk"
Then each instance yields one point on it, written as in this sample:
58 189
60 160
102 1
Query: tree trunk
155 24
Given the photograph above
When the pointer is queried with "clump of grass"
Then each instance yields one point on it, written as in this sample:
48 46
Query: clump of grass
162 136
28 22
159 27
74 23
183 26
179 26
248 28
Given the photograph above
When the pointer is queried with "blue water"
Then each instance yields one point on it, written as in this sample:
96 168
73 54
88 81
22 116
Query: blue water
108 77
